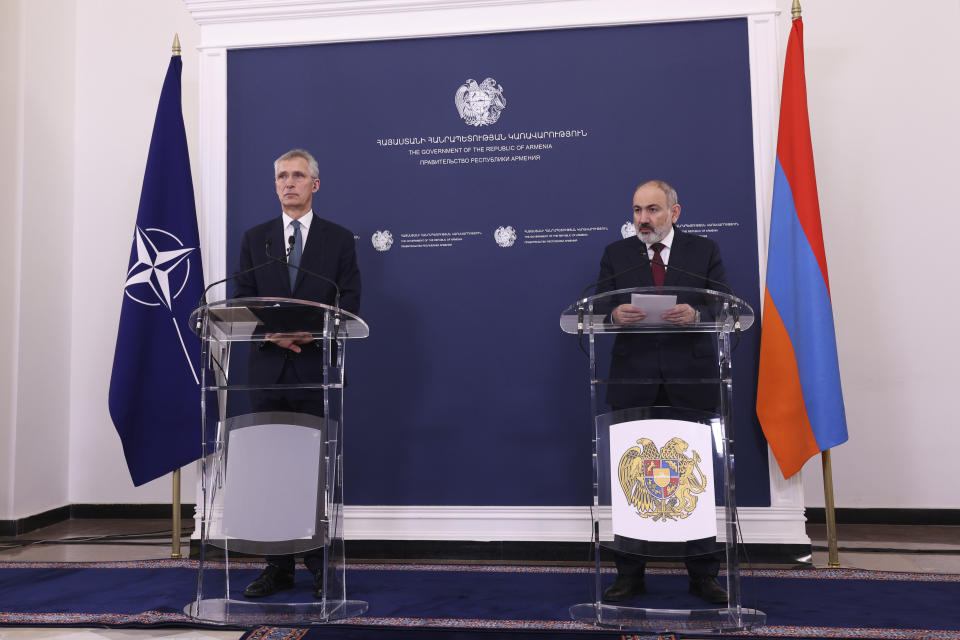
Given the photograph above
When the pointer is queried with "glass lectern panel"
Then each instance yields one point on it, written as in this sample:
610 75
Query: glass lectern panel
273 453
251 319
716 311
658 469
663 452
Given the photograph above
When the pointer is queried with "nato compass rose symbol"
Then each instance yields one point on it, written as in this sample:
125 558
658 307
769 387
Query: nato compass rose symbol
154 269
154 272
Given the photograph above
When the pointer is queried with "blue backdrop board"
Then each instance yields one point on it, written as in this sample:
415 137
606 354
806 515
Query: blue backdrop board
476 226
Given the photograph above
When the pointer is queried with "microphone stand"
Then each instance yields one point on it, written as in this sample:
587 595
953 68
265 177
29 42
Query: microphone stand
336 299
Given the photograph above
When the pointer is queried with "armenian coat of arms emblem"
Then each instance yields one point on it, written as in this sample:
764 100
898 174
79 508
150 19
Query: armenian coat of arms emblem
480 104
661 484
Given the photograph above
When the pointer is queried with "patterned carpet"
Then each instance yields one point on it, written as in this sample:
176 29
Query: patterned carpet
482 602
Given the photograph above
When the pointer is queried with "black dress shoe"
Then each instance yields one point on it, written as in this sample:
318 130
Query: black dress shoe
624 588
272 580
708 589
318 584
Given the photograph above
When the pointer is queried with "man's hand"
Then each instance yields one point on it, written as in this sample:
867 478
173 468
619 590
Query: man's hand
627 314
680 314
291 341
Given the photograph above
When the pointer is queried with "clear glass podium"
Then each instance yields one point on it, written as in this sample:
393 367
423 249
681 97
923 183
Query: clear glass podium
272 475
664 486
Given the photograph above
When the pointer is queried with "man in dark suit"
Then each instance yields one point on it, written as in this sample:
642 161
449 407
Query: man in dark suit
317 246
662 255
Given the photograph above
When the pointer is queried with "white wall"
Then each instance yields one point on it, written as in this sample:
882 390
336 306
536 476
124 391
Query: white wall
40 222
883 100
80 82
10 166
122 52
83 78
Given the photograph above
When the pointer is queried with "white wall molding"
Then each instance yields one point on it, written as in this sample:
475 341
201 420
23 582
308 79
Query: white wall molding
212 201
228 24
12 118
765 103
259 23
539 524
775 525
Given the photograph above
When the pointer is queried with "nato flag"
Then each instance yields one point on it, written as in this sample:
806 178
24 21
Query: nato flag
154 388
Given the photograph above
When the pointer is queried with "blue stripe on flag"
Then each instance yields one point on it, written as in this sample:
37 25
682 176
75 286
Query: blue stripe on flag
798 289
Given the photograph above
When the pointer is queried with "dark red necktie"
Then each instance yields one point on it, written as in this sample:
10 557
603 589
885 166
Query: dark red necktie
656 265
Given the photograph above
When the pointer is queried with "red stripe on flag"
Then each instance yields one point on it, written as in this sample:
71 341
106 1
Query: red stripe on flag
794 148
780 406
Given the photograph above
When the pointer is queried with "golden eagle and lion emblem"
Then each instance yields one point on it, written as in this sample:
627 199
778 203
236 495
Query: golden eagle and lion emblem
663 484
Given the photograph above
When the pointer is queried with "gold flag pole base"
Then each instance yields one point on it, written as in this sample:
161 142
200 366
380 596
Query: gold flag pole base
175 552
833 552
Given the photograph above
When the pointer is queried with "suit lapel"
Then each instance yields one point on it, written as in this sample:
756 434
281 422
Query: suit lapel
643 277
278 249
312 250
677 256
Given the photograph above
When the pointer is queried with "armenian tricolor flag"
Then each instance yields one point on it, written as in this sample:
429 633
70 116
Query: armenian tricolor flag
799 400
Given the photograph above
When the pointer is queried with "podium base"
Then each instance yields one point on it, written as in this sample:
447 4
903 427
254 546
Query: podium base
667 620
248 612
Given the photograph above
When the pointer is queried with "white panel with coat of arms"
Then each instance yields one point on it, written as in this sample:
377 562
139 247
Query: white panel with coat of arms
662 480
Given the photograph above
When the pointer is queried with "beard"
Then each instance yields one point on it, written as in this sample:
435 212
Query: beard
652 235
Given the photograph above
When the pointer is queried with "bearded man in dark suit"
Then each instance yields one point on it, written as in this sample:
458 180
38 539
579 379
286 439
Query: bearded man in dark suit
320 247
683 260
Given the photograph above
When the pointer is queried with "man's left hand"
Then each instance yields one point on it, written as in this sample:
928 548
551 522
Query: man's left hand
680 314
290 341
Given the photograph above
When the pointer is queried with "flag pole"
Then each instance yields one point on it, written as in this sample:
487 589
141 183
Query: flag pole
175 552
833 554
175 526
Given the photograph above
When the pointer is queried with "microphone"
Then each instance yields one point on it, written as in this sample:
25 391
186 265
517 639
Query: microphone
735 309
613 277
292 240
661 263
581 299
643 265
203 296
336 299
274 258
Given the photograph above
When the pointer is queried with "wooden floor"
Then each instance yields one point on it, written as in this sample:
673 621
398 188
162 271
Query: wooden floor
925 549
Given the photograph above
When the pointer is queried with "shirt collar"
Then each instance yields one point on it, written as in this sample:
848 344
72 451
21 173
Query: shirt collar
304 220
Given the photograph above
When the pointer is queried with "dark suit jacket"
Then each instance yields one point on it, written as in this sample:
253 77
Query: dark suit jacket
330 251
663 355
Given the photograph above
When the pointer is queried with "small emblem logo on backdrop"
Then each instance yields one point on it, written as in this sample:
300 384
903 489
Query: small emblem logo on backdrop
382 240
480 104
505 236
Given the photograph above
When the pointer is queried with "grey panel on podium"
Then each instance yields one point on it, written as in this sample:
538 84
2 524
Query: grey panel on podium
664 474
272 480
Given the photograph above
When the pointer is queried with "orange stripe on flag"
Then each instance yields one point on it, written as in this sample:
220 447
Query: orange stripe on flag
780 405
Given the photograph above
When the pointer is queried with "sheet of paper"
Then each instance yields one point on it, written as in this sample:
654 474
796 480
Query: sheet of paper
655 306
236 323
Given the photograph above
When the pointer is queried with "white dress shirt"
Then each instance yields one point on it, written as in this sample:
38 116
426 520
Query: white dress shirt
665 251
304 221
